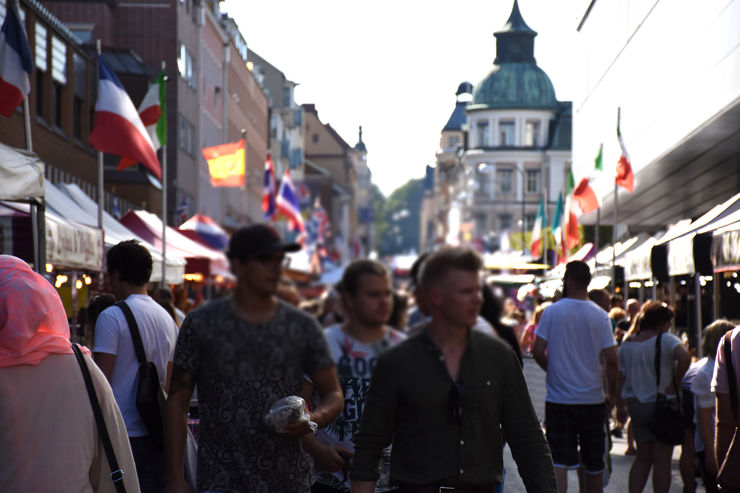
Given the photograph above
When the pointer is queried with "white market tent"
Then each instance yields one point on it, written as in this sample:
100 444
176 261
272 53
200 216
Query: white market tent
21 174
76 204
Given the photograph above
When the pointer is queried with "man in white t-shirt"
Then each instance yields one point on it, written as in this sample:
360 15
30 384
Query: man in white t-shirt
573 338
129 267
367 300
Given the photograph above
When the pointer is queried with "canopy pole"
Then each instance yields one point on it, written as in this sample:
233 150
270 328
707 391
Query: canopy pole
246 176
101 190
614 228
697 314
37 210
163 282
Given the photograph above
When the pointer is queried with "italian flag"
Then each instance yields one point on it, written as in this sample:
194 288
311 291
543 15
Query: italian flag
153 114
557 223
569 231
625 177
584 193
540 224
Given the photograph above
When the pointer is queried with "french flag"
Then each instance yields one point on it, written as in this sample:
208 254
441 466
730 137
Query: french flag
269 192
15 63
287 204
118 128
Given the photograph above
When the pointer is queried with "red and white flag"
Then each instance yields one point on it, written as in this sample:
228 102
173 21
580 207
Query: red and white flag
15 63
118 127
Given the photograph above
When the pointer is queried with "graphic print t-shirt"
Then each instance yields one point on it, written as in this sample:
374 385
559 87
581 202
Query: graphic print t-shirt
355 364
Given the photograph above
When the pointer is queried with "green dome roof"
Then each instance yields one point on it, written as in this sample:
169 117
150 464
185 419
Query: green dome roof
514 85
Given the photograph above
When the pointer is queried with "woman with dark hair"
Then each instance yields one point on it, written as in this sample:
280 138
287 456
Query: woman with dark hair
637 387
491 310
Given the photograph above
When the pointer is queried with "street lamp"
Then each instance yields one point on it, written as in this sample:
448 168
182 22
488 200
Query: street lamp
486 168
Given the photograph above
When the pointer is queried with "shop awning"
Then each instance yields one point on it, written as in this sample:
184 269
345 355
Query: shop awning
21 174
686 248
200 259
69 244
115 232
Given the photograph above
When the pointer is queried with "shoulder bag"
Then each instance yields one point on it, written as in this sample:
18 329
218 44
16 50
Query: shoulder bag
728 476
149 395
668 421
116 474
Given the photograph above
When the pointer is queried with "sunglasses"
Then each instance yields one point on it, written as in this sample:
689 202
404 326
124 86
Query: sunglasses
273 260
455 412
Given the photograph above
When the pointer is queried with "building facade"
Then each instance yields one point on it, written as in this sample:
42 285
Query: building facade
510 149
672 71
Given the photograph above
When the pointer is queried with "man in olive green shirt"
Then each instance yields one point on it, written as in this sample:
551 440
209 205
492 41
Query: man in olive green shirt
444 397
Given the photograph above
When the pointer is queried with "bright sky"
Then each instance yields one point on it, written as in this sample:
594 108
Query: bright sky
394 66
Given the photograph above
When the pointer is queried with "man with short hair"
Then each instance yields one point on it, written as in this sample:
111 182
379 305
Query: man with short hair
445 396
366 295
573 337
245 352
129 267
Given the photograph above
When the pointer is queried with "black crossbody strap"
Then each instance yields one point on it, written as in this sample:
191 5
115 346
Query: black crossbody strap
133 327
116 474
658 350
731 383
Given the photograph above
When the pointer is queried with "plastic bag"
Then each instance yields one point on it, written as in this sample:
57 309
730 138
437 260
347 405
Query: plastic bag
287 410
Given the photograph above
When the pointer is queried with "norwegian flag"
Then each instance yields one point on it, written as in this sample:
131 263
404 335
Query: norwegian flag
269 192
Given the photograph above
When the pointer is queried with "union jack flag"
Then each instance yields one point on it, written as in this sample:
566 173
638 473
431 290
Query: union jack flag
269 192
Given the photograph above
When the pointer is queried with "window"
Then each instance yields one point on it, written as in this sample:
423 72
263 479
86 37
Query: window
483 134
483 181
57 116
77 118
504 222
83 33
186 66
298 117
315 138
453 142
58 60
186 135
285 148
506 133
481 224
531 134
40 38
504 177
296 158
286 97
533 181
531 219
80 74
40 93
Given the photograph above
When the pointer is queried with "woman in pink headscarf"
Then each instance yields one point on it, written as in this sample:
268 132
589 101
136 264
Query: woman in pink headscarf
48 436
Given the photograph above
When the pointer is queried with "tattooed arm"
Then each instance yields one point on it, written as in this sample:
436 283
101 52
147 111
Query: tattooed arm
175 426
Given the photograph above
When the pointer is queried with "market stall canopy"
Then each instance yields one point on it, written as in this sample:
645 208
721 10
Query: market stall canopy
205 230
21 174
686 250
200 259
69 244
116 232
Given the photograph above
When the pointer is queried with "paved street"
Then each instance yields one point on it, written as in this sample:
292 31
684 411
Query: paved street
620 463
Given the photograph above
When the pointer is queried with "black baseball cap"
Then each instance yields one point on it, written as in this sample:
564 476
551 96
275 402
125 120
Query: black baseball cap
258 239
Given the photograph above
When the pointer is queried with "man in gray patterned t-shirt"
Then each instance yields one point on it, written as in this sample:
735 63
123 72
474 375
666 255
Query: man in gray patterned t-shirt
244 353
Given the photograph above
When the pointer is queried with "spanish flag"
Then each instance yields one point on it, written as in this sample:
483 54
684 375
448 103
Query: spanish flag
226 164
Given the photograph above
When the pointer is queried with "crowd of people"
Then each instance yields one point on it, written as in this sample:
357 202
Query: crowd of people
414 388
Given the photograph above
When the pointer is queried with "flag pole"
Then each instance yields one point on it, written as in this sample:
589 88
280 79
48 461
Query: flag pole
614 227
246 176
163 282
